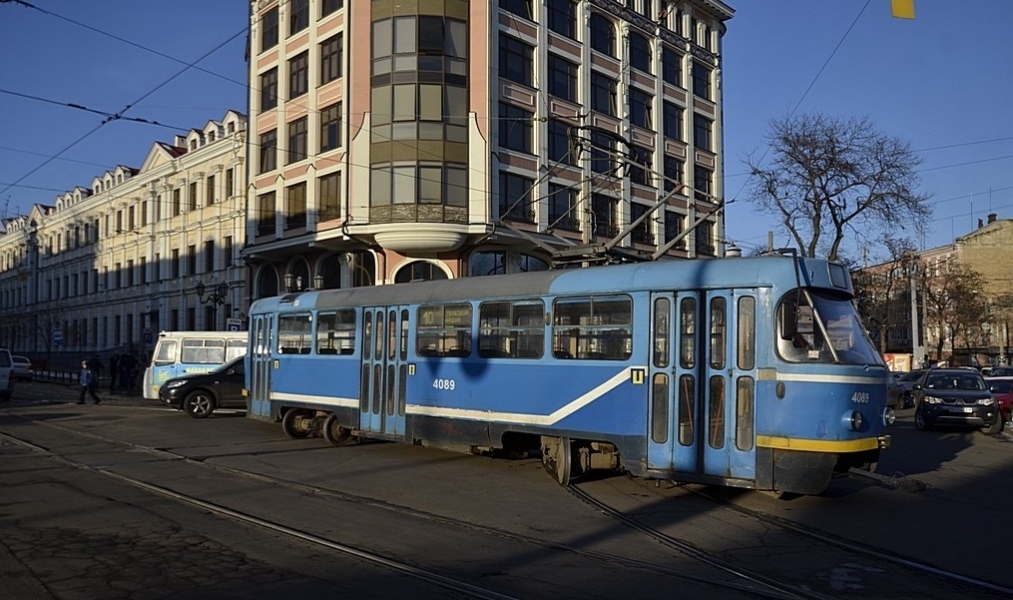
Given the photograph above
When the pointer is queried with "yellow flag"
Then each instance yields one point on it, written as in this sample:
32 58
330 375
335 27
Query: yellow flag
903 9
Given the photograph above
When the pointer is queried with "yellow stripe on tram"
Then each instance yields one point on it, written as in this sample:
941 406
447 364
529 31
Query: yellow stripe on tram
783 443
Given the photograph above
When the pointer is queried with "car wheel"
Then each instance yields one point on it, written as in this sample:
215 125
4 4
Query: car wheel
920 422
994 428
199 404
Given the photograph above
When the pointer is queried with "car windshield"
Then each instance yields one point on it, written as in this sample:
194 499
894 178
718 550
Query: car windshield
827 330
950 381
1002 386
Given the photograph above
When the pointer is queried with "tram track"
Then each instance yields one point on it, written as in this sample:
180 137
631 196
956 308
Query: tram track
809 533
740 580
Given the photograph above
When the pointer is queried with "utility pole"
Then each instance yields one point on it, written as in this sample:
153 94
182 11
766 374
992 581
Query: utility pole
916 350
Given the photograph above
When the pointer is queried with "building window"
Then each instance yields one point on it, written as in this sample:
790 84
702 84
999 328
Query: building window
177 204
330 59
702 132
562 17
227 252
515 198
603 211
297 140
672 125
603 34
562 78
298 75
701 81
671 66
191 199
144 218
269 89
521 8
603 149
269 151
175 264
142 270
331 6
515 128
191 259
209 256
230 183
563 208
702 183
515 60
265 214
640 53
209 196
295 215
299 16
705 239
642 165
269 30
641 104
603 93
559 143
642 233
329 197
330 127
673 172
673 227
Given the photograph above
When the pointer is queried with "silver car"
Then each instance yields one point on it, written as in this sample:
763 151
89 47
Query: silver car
22 368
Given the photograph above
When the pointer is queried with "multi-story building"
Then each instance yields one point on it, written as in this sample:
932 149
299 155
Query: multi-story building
106 267
394 141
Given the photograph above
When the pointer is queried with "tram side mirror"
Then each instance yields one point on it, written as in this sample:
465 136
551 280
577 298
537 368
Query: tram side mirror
787 321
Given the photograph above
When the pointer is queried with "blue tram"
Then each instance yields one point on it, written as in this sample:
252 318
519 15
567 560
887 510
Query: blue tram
746 372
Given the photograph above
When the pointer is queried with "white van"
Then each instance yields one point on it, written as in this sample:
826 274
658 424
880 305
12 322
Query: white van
179 353
6 375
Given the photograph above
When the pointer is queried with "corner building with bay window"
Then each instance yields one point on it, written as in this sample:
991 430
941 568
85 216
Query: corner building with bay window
393 141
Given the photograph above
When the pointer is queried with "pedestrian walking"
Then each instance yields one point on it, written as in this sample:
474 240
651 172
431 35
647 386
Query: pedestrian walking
87 381
96 366
114 371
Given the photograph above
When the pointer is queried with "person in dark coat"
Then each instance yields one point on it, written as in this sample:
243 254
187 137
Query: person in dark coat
95 366
114 371
128 370
87 381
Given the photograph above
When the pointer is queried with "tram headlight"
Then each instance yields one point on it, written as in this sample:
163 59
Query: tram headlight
889 416
856 420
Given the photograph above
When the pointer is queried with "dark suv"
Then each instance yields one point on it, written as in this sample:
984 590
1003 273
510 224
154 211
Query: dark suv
955 397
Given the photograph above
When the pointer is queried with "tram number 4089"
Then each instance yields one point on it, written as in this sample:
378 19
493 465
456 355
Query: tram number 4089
860 397
444 384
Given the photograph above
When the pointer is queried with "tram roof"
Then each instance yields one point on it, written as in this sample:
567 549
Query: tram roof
669 275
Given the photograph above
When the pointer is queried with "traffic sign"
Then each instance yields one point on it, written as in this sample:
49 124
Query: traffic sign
232 324
57 336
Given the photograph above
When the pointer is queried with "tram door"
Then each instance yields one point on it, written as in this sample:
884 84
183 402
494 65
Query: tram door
708 375
259 400
384 371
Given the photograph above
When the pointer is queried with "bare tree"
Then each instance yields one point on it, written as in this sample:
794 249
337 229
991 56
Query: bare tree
954 304
881 292
832 176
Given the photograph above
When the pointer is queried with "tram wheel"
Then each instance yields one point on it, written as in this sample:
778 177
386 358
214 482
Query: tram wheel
557 458
335 433
297 423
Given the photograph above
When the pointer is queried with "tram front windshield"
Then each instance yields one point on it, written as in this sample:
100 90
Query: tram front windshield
826 330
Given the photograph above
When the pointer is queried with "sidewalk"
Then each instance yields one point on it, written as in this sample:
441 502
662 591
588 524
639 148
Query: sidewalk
59 392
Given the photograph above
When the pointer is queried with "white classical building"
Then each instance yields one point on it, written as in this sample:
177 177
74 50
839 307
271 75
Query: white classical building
106 267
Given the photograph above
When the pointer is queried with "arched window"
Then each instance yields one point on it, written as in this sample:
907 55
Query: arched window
603 34
419 271
267 282
297 278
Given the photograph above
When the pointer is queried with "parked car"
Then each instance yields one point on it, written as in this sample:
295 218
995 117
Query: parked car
1002 392
22 368
200 394
895 394
955 396
1001 372
907 381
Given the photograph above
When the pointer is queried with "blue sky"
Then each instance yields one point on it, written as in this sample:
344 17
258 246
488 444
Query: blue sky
943 81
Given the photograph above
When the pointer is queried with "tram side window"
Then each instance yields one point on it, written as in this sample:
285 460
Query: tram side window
596 327
444 330
336 332
295 334
511 329
203 352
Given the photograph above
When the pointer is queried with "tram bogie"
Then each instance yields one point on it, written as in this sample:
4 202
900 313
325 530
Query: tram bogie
744 372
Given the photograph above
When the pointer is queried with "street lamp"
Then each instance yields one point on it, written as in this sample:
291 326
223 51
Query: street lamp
216 295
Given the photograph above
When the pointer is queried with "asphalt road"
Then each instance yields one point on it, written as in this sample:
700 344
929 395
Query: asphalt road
78 527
